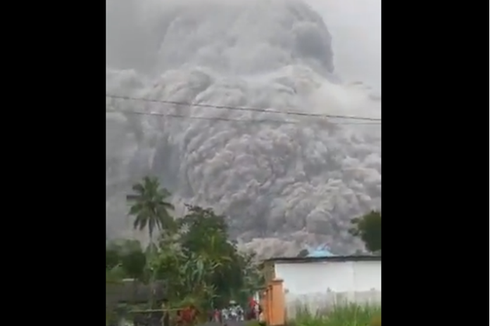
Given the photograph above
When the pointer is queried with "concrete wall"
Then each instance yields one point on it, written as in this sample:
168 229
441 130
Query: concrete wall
320 285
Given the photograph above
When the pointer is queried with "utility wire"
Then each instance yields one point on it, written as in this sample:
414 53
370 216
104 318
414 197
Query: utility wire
250 109
172 115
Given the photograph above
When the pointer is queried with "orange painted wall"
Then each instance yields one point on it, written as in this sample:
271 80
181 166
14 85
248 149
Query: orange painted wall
273 303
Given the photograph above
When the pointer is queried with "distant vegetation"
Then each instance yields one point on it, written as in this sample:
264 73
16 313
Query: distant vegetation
368 228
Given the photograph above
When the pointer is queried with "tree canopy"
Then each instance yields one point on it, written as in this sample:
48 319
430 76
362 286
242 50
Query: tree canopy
368 228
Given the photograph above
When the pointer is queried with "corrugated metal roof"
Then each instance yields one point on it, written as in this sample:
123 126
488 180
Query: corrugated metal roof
334 258
320 251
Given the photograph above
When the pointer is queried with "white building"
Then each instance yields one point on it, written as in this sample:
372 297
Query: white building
321 282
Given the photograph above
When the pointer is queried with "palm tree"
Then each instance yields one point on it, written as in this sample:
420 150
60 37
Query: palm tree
150 207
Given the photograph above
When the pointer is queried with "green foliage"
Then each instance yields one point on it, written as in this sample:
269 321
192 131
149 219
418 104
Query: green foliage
151 210
127 257
150 206
133 263
200 264
114 274
345 315
112 258
204 230
206 241
192 254
368 228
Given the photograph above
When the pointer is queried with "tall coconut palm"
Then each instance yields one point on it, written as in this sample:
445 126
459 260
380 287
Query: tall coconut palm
150 207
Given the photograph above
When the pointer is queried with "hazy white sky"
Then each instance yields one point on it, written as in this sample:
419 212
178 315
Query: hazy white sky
355 26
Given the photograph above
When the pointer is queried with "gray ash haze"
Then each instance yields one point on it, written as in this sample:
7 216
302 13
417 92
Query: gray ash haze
284 182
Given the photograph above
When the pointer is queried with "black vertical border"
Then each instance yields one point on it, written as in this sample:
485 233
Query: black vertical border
63 192
435 162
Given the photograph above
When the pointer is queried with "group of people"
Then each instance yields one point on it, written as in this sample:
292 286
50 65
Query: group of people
235 312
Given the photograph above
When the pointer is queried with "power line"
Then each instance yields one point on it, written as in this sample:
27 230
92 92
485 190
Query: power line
171 115
250 109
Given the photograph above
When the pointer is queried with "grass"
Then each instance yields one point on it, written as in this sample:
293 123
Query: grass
347 315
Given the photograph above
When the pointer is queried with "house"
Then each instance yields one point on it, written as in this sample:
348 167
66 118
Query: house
321 281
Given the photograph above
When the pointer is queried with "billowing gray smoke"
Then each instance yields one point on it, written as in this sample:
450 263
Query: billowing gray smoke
283 180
